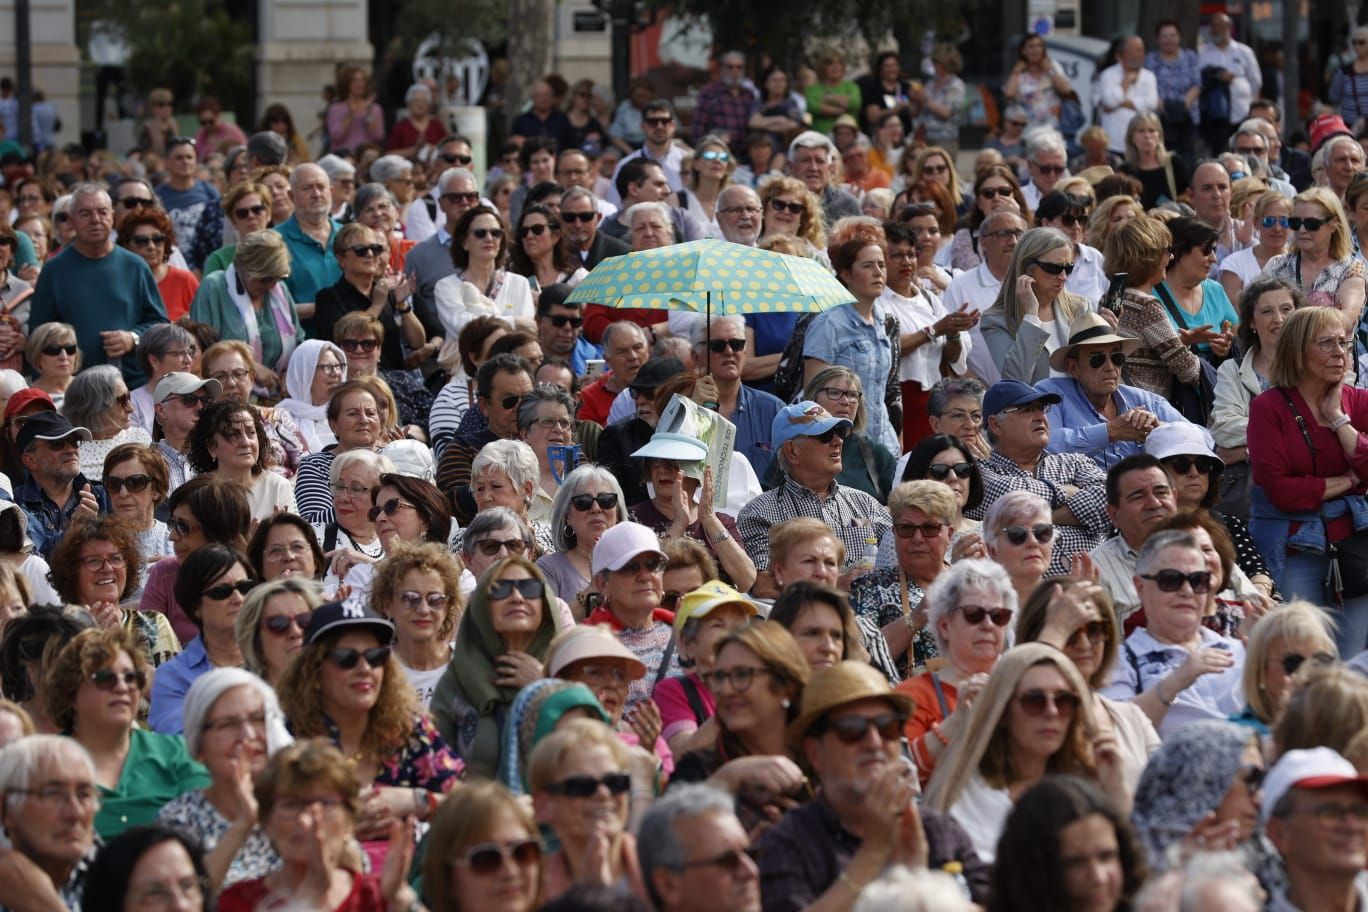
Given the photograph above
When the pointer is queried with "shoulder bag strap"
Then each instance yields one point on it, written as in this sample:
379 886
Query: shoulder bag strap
329 537
1172 182
664 663
871 465
1163 294
940 694
1134 661
695 699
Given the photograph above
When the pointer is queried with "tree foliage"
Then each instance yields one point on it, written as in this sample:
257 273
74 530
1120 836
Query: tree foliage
485 21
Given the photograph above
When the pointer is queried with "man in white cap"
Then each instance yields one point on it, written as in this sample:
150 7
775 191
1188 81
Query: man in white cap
178 399
808 442
1315 812
629 570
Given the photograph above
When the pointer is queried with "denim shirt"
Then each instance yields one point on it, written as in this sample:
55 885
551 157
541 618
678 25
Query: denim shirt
841 336
1271 528
47 522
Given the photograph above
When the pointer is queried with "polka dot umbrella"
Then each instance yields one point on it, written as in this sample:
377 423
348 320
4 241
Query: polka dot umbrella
712 277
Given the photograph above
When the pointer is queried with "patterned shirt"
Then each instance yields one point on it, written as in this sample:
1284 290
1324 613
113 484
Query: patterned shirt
720 110
649 644
1161 357
876 601
423 762
313 494
1175 77
851 514
192 813
1052 472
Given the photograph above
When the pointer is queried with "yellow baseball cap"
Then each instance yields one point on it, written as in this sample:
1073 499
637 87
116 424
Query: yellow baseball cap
700 602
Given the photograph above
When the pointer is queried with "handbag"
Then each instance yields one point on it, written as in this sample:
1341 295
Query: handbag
1193 400
1346 575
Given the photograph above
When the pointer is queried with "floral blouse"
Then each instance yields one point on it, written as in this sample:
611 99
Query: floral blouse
1322 292
193 814
414 399
285 445
425 762
875 596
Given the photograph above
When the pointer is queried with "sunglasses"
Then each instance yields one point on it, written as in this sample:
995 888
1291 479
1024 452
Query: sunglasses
941 470
974 615
147 240
181 527
780 206
836 432
585 502
455 158
657 121
137 202
223 591
853 729
653 564
585 217
53 351
61 218
437 601
1293 661
1049 169
389 508
1172 580
1054 269
991 192
453 198
560 321
280 623
346 658
367 250
527 588
125 401
1252 775
245 211
489 547
588 786
482 233
189 400
1181 465
108 679
356 345
487 858
718 346
511 401
1310 224
1095 631
134 483
1097 359
1043 532
714 155
909 530
1073 221
538 229
1280 220
936 169
1033 702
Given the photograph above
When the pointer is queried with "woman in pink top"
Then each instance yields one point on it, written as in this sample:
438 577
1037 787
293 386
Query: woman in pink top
355 119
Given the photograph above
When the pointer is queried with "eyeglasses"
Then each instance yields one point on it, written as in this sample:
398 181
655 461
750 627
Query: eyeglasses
588 786
585 502
718 346
452 199
538 229
96 564
488 857
733 861
489 547
909 530
1310 224
1181 465
482 233
61 218
1250 150
836 394
225 590
957 415
1034 702
779 205
1329 346
1054 269
437 601
255 721
1048 169
653 564
560 321
147 240
554 424
1293 661
56 797
234 376
331 367
941 470
1072 221
657 121
508 402
389 508
853 729
975 614
455 158
1097 359
355 490
739 678
125 401
1280 220
1043 533
1172 580
366 251
597 676
993 192
244 211
527 588
1094 631
356 345
1332 813
347 658
108 679
714 155
181 527
137 202
840 431
8 242
280 623
585 217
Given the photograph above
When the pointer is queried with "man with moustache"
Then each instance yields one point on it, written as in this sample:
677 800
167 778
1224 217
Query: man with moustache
54 491
1139 497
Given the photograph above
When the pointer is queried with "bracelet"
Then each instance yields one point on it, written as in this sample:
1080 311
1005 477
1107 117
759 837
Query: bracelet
912 626
1339 422
850 884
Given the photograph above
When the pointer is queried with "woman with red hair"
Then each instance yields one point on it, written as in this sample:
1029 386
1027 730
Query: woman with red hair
148 233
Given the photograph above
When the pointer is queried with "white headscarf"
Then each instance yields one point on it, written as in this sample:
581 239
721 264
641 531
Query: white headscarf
211 685
311 419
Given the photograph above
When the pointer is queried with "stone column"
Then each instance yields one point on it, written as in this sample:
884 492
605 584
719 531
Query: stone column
299 46
56 59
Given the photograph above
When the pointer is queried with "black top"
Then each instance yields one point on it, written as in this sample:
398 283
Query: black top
334 302
1155 185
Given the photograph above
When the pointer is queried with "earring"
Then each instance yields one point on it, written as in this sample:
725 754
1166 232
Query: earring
786 703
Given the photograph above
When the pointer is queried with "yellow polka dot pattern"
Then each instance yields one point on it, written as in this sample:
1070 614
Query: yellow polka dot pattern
740 280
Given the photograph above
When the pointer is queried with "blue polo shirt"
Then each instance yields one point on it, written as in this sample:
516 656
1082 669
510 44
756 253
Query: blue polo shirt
312 266
754 420
172 683
1077 427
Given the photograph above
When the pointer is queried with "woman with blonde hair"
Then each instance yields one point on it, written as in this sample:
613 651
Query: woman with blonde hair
477 831
1029 721
419 590
1328 708
792 210
270 626
1282 643
935 165
53 354
1032 314
1163 175
1108 214
1323 264
706 173
1271 213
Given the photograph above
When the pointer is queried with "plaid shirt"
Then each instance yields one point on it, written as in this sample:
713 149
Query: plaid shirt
720 110
853 515
1089 504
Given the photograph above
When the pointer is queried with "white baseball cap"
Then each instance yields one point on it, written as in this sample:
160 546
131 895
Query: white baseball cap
1317 768
622 543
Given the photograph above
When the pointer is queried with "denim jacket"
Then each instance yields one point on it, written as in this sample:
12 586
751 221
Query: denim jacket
1271 528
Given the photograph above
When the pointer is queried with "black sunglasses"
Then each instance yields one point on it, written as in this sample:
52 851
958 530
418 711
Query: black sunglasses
245 211
367 250
1294 661
1311 224
492 546
389 508
355 345
941 470
718 346
781 206
585 502
974 614
1172 580
280 623
853 729
1043 532
561 320
221 592
1033 702
538 229
108 679
147 240
1095 631
585 217
53 351
133 483
455 158
527 588
137 202
1183 464
990 192
588 786
346 658
840 431
453 198
1054 269
653 564
1097 359
482 233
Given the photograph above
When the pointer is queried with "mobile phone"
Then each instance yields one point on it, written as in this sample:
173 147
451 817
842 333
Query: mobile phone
593 368
1112 299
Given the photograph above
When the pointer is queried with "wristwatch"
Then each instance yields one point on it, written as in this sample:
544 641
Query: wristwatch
720 537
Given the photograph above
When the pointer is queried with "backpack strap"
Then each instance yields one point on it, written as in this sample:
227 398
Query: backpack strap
1134 661
695 699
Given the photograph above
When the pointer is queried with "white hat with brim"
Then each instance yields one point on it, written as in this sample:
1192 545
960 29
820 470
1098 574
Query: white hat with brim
592 642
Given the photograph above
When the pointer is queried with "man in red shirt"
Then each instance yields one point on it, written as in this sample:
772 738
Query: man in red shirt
625 348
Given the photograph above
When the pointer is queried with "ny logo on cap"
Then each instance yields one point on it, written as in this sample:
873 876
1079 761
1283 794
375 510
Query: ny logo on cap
352 610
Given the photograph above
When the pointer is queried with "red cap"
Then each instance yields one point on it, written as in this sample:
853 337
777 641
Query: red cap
26 397
1326 126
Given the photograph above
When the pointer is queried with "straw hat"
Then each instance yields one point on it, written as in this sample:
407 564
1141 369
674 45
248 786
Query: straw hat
1090 329
840 685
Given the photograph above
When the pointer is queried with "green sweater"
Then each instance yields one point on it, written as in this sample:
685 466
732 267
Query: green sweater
213 305
220 259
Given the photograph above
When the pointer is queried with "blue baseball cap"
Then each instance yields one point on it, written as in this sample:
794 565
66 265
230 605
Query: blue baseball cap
1006 393
803 419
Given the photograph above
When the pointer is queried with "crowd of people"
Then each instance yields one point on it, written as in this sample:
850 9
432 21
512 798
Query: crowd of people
347 560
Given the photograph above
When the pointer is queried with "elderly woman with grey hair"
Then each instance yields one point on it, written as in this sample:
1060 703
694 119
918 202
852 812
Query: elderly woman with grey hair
379 209
955 406
504 474
163 348
98 400
396 174
418 128
233 725
1019 533
493 535
546 419
589 503
352 476
969 611
649 225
